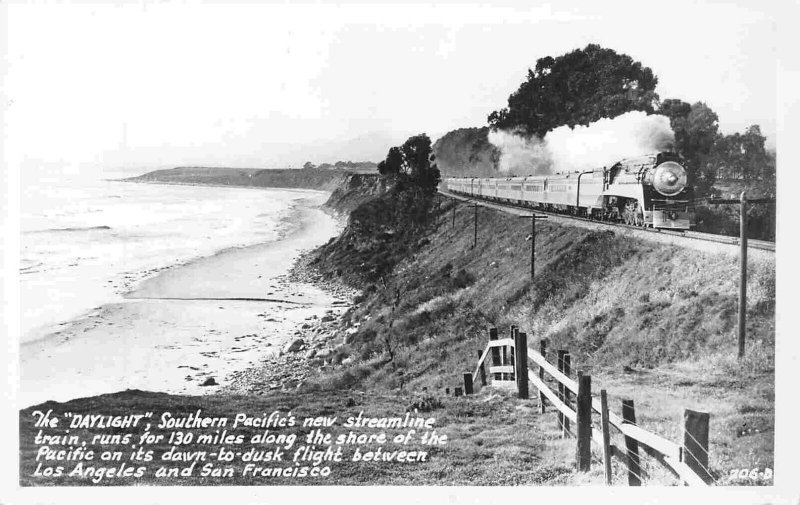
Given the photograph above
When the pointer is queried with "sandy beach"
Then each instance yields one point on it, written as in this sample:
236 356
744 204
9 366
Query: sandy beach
190 325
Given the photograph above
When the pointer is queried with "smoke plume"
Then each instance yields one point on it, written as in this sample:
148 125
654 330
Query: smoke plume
599 144
520 154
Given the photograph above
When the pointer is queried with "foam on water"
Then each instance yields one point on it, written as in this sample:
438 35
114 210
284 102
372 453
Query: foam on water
87 243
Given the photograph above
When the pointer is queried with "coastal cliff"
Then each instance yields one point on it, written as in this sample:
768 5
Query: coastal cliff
354 190
307 178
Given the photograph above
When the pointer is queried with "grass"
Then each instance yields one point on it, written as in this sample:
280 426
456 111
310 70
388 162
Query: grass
488 441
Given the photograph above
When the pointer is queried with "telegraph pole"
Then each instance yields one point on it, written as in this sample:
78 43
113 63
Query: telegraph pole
742 272
475 237
743 203
532 238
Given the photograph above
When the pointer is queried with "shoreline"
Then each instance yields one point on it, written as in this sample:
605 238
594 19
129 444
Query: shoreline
52 306
190 323
320 337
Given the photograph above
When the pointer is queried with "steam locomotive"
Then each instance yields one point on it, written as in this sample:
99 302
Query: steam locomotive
649 191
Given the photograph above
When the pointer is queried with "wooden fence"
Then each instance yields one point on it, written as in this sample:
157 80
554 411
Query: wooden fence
509 367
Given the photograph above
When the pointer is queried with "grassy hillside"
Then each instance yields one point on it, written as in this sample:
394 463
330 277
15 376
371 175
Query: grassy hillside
650 322
614 301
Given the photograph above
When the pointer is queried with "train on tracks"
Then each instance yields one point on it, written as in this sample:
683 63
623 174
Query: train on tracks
649 191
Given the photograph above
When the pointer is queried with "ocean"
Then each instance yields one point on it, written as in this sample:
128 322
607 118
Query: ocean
86 243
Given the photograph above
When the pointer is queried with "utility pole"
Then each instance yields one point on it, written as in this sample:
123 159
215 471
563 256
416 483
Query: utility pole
743 202
532 238
742 272
475 238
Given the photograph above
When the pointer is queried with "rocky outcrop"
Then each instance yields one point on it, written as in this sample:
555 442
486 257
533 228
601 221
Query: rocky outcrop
354 190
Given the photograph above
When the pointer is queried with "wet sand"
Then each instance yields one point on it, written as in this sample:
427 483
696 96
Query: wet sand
206 321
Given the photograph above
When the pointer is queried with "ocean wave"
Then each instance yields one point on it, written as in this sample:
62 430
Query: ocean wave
27 266
71 229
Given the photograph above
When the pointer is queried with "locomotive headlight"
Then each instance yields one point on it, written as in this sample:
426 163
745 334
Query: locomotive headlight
669 178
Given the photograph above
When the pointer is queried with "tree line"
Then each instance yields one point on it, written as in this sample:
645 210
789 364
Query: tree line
341 165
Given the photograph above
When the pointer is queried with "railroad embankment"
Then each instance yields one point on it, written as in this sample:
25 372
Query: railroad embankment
651 322
615 301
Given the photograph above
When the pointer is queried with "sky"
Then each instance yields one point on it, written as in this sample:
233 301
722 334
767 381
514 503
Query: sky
140 85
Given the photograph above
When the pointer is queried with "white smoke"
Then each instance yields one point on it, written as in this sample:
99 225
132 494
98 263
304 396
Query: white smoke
607 141
520 154
602 143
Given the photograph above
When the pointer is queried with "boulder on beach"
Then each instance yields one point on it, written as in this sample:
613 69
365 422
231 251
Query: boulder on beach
211 381
295 345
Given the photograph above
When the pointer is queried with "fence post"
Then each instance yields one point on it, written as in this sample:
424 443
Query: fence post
508 357
567 395
543 352
583 409
457 392
631 445
695 443
467 383
495 352
482 369
560 365
521 349
606 435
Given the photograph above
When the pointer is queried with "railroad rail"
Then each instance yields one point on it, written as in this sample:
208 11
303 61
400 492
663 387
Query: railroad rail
687 234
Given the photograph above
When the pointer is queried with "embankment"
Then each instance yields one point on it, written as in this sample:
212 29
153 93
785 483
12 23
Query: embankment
651 322
613 301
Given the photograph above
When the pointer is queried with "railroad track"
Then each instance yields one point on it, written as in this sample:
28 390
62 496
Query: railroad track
687 234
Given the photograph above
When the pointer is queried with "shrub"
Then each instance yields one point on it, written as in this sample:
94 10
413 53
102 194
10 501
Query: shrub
425 403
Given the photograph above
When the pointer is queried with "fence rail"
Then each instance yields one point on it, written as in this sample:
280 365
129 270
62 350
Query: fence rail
510 364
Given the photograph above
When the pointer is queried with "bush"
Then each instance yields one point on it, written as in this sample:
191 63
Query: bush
425 403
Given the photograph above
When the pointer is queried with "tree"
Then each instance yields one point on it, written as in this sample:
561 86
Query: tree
743 156
412 162
309 166
467 151
676 110
419 162
696 132
577 88
393 163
